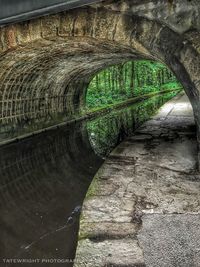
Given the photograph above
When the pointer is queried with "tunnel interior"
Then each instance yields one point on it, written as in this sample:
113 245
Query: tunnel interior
61 116
46 64
31 171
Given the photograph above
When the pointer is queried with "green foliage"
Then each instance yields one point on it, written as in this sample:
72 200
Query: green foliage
131 79
108 131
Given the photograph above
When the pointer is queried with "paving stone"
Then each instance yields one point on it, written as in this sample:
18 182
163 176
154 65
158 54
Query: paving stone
152 177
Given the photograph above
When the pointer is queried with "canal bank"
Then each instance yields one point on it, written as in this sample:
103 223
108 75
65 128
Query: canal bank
142 208
20 133
45 177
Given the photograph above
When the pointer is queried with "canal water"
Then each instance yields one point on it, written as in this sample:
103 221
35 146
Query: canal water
44 179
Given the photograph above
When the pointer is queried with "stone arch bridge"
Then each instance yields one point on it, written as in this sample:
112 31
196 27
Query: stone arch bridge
47 62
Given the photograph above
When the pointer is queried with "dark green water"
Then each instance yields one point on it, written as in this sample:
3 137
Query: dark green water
44 180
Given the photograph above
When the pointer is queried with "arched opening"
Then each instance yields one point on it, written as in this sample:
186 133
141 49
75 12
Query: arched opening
125 87
46 67
45 79
128 80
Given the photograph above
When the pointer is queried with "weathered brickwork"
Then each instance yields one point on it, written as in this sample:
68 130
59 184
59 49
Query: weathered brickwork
46 63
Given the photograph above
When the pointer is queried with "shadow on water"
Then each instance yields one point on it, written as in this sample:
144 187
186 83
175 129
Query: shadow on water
43 184
44 180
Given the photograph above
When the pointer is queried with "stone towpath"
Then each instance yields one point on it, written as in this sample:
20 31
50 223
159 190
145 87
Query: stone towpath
143 206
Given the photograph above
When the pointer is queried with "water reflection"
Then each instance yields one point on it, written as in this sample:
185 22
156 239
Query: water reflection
44 180
108 131
43 183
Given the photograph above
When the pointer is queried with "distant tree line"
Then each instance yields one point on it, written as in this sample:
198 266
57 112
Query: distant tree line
120 82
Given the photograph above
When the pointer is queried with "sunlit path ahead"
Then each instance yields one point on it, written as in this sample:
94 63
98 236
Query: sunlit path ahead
143 206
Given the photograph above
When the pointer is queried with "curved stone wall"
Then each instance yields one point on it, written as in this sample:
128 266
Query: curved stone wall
47 63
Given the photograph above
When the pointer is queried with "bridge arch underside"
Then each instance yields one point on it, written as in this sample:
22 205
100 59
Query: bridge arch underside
47 63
